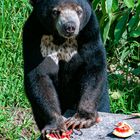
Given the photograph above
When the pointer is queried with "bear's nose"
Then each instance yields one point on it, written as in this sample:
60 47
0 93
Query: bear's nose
70 27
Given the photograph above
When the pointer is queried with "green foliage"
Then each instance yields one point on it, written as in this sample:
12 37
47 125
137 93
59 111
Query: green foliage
12 16
120 27
15 119
116 17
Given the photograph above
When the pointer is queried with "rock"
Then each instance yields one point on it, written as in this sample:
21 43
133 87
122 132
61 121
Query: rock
103 130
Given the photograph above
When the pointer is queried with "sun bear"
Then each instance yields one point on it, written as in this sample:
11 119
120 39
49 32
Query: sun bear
64 64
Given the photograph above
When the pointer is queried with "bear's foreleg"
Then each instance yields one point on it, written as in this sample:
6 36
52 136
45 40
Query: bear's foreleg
86 115
43 97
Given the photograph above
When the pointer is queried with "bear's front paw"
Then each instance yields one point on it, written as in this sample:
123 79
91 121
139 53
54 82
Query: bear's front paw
79 121
55 128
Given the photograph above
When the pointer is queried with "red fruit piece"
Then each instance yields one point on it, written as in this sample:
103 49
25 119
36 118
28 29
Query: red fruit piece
123 130
64 136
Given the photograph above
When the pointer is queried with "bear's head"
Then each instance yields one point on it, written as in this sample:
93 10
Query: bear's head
66 17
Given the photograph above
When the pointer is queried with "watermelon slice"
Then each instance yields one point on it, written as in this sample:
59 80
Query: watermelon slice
123 130
64 136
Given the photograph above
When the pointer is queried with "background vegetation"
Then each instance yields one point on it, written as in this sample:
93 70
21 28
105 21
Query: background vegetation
120 27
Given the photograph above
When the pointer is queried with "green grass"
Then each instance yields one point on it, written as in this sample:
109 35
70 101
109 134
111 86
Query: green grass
16 120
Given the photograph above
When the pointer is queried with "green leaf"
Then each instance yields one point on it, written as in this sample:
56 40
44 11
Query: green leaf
103 20
124 54
106 30
108 6
138 9
134 21
95 3
135 33
136 71
121 26
129 3
115 5
103 7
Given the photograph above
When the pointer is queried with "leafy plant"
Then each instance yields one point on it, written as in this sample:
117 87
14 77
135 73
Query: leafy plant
116 17
120 28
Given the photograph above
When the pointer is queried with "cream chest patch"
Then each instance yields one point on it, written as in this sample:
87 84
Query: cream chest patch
58 52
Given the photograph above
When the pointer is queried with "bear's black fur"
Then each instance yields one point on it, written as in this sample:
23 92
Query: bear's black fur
79 83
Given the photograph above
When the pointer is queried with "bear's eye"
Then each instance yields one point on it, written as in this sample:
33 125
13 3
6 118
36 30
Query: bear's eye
55 12
79 12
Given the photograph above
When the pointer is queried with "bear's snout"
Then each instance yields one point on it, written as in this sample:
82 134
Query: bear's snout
69 27
68 23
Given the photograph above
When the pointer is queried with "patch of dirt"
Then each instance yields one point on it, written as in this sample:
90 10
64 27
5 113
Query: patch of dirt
20 120
25 117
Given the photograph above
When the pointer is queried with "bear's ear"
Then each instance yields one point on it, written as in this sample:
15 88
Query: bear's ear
33 2
90 0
